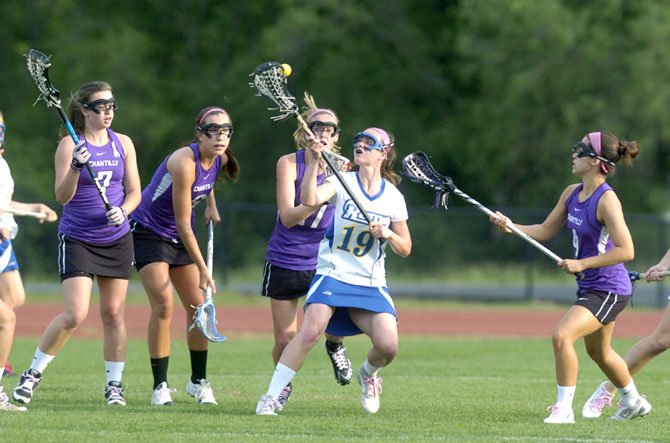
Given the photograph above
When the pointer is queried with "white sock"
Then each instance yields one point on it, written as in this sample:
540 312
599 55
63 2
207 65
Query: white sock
565 395
370 370
282 377
41 361
2 372
629 394
114 370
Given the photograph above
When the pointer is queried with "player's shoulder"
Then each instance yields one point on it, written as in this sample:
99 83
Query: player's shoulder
288 159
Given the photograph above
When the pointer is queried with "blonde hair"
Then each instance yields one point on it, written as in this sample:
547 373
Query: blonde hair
309 112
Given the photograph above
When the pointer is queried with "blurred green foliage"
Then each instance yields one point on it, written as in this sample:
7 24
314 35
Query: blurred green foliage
497 91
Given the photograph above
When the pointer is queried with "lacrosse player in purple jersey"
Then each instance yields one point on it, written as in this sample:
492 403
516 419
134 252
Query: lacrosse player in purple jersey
93 241
348 295
167 254
12 293
291 258
602 243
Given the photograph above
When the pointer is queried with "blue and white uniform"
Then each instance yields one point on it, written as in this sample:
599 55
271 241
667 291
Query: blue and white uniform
351 265
7 257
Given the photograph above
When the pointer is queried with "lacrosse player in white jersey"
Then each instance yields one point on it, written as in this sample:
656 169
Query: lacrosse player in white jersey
348 295
12 293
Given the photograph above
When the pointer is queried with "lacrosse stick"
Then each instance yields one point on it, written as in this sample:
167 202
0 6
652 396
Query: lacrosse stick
417 167
205 313
24 213
269 80
634 276
38 66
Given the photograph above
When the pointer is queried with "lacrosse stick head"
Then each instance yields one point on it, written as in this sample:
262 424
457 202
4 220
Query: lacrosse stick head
269 79
205 320
38 66
417 167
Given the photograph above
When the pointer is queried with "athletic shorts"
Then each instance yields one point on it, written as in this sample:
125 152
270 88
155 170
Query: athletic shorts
77 258
605 306
341 296
7 257
152 248
285 284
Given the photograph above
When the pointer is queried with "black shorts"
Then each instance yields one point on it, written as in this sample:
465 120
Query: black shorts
151 248
285 284
77 258
605 306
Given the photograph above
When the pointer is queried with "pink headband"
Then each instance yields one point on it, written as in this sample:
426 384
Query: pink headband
594 137
386 140
211 111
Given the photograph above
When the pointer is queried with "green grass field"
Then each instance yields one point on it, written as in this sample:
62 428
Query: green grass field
465 390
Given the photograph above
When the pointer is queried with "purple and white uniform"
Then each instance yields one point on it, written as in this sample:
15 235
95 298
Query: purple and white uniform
591 238
296 248
156 210
84 217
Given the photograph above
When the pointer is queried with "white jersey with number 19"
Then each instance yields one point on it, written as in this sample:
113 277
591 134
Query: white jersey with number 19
349 252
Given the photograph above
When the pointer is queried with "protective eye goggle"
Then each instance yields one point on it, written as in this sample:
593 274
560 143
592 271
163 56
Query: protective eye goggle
324 128
582 150
214 130
102 105
370 142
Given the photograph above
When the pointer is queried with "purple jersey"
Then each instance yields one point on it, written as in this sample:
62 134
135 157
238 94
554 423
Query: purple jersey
590 238
156 211
83 217
296 248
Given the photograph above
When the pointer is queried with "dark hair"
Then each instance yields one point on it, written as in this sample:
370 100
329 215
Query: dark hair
83 95
617 150
230 165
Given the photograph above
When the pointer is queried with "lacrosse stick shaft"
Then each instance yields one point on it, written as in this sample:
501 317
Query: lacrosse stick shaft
210 254
75 139
510 225
336 173
637 276
24 213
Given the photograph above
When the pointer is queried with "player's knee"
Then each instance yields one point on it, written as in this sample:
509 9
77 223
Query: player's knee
112 318
560 339
7 317
72 320
282 339
389 350
162 309
309 337
660 342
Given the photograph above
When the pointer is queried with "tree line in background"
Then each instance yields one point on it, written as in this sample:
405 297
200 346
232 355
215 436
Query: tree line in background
496 91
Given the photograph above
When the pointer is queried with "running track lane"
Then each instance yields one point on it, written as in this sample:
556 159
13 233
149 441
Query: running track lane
241 320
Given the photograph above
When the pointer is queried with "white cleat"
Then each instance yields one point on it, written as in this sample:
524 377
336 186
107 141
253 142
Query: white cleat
560 415
371 387
5 405
202 392
599 400
268 405
639 409
162 395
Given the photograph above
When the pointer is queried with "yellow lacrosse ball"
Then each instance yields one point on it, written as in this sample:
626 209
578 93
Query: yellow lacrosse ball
287 69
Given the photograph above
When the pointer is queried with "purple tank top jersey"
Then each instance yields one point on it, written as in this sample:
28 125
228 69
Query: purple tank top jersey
591 238
83 217
156 212
297 247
